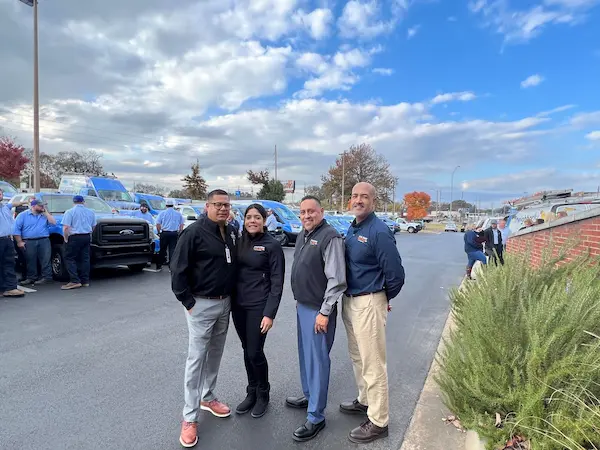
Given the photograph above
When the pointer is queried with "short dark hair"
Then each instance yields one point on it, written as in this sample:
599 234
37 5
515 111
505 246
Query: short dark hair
311 197
214 192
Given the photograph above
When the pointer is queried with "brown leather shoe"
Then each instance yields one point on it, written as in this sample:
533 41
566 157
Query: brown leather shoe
367 432
189 434
217 408
69 286
14 293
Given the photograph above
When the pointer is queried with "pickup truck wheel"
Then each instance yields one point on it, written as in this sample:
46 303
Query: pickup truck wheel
58 263
411 229
137 267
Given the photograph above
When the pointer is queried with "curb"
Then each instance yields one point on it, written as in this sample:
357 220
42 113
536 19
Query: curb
427 430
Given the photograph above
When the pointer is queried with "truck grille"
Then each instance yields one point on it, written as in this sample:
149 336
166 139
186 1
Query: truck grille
115 234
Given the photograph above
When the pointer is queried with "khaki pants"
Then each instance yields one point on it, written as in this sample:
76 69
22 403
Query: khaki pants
365 318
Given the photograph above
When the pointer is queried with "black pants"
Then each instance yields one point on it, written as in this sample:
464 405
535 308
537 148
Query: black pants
78 258
499 251
8 277
247 325
168 240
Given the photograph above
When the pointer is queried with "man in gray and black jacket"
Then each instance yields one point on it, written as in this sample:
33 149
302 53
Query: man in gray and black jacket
318 283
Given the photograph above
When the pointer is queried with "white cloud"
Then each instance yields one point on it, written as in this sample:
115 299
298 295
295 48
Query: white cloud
465 96
522 25
584 120
317 22
413 31
593 136
556 110
383 71
367 19
531 81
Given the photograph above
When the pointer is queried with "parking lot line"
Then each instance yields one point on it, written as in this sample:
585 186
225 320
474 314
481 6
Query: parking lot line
27 290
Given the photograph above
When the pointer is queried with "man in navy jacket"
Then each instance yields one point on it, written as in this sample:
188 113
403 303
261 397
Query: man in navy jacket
375 276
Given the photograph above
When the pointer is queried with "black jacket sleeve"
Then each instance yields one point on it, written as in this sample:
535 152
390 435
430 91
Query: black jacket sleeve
277 274
182 261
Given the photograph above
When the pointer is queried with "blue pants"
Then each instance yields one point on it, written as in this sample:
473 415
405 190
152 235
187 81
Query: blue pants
476 256
77 258
8 277
38 251
313 355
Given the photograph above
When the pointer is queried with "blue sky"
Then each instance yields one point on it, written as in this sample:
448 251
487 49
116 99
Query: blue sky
506 89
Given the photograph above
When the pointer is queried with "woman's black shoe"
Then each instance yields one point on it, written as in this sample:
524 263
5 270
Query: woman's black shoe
262 402
248 403
308 431
297 402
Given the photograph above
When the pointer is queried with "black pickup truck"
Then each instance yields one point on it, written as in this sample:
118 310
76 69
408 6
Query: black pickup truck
116 240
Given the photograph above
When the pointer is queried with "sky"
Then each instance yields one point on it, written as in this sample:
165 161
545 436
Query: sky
509 90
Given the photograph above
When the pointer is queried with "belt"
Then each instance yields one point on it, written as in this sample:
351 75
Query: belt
364 293
218 297
81 234
4 237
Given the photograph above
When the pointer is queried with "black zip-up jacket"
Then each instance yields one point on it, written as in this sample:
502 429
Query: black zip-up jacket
261 270
200 266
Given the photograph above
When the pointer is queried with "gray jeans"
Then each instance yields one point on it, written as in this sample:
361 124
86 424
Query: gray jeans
207 325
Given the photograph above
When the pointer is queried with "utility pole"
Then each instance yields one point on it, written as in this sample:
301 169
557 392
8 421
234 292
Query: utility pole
394 199
275 162
452 188
343 180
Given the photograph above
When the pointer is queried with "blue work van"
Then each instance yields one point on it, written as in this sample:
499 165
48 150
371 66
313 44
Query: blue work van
155 203
9 190
109 189
116 240
290 223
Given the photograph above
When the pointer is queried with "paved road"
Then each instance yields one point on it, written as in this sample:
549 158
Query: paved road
102 368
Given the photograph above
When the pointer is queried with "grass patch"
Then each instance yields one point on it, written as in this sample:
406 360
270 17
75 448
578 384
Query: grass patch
525 347
435 226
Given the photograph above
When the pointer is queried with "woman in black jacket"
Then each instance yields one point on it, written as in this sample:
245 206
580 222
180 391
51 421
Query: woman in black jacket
261 268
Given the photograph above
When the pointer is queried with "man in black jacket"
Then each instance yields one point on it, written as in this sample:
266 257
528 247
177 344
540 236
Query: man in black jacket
202 279
493 243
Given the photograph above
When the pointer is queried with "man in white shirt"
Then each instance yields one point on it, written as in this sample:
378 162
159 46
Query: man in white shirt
271 223
493 243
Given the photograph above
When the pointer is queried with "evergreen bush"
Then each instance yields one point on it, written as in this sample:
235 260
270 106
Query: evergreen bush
524 346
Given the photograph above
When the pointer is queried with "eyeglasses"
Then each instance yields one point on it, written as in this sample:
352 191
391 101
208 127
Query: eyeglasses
220 205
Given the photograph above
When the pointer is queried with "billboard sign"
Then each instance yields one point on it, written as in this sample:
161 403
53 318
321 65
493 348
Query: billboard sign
289 186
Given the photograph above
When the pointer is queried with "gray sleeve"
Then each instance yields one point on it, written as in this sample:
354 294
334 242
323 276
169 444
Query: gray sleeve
335 271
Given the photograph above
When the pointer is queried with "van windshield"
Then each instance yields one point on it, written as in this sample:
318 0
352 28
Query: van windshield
114 196
58 204
157 204
285 213
7 187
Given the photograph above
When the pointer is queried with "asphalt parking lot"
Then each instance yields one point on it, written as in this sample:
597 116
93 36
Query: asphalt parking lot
102 367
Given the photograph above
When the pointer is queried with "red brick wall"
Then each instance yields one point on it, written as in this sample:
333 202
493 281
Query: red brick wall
579 232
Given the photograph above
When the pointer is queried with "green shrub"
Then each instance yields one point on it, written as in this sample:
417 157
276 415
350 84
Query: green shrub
521 347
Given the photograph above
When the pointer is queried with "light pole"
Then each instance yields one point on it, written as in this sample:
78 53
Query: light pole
452 187
36 102
343 179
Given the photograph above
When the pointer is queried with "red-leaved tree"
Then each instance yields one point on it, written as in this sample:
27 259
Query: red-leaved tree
417 204
12 159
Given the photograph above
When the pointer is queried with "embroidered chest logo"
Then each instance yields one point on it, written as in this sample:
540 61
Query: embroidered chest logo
362 239
313 242
259 248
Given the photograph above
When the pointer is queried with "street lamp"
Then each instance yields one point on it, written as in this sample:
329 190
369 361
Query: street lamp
452 187
36 101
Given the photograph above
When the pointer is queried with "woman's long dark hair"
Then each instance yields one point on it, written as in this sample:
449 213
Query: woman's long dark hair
245 241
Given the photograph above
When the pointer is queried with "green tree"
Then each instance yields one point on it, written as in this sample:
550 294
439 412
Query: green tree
195 184
179 193
271 189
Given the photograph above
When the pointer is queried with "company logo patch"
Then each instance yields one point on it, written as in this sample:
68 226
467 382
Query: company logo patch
259 248
313 242
362 239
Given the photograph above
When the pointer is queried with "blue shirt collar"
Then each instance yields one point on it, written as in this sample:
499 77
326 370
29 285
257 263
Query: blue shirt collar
369 218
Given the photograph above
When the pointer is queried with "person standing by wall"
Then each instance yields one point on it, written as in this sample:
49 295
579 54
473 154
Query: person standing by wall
169 224
203 269
261 269
8 277
32 233
375 276
78 224
318 283
474 248
494 247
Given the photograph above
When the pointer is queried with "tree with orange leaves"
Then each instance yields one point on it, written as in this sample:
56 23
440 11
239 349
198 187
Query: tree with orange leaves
417 204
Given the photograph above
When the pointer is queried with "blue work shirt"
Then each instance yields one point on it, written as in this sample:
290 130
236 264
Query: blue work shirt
80 219
7 223
373 262
147 216
31 226
169 220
